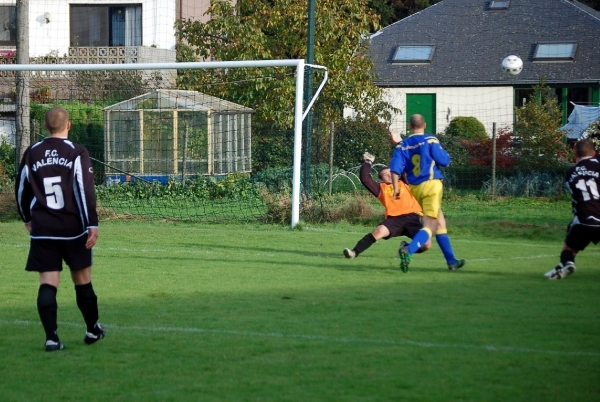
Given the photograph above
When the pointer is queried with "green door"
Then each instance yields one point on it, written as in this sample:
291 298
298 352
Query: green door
423 104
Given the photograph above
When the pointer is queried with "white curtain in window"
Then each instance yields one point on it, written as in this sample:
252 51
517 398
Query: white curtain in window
133 26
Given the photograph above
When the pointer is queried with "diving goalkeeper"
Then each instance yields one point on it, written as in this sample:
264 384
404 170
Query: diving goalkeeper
402 216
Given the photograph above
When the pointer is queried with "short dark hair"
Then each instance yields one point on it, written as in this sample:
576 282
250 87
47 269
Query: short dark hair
584 148
380 174
56 119
417 121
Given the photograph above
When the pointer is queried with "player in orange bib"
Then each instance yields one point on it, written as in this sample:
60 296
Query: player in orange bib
403 217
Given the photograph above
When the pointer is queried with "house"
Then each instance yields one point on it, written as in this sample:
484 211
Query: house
90 32
133 31
445 61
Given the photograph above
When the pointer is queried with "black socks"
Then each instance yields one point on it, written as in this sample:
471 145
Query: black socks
566 256
364 243
47 309
88 304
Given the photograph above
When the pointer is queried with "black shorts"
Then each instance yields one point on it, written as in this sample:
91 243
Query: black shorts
403 225
580 236
48 255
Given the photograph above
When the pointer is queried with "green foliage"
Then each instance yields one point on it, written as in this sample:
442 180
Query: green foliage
271 146
8 164
87 128
263 29
538 131
115 86
468 128
200 188
355 137
391 11
454 146
593 133
279 179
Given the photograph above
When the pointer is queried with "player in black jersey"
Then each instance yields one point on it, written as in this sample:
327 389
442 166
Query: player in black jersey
583 182
57 201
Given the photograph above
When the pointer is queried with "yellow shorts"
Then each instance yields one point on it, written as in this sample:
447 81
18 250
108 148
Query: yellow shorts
429 196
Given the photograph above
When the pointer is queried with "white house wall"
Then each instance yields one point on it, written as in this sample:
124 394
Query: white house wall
488 104
158 17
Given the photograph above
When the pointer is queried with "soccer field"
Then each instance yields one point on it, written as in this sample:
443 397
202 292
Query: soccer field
255 312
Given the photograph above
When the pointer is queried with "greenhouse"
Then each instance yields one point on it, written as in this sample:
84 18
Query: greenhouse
166 134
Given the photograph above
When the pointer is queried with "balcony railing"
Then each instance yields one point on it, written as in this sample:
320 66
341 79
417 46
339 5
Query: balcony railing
99 55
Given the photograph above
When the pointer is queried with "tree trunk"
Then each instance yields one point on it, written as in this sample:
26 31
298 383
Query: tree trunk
22 102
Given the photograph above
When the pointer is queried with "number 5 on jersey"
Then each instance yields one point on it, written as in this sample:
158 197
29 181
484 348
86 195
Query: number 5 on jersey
54 193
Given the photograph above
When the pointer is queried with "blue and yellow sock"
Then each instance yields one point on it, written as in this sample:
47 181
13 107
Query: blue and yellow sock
444 242
419 240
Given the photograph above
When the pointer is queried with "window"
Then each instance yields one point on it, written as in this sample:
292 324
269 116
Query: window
8 25
110 25
555 51
499 5
414 54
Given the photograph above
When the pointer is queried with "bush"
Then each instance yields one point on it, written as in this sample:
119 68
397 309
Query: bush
354 137
481 152
272 147
593 133
454 146
468 128
538 131
8 164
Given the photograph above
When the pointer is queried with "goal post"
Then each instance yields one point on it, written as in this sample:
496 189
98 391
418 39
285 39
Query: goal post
300 112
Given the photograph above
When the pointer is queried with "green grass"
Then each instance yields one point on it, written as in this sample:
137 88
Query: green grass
263 313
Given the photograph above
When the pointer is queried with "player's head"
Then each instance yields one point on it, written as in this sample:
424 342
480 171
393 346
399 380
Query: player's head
416 123
385 175
57 120
584 148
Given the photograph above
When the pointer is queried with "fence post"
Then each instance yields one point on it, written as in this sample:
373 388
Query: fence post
185 144
493 159
331 126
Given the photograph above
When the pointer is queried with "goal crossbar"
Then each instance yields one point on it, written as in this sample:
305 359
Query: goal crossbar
299 113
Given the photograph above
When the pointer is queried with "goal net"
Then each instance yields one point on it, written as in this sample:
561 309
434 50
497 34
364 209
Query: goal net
168 140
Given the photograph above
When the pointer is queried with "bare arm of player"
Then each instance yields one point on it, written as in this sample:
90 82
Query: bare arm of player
92 238
395 178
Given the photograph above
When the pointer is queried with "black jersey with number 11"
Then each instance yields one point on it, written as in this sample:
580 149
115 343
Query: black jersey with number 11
583 182
55 189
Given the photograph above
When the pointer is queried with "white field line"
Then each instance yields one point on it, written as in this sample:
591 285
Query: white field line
325 338
205 252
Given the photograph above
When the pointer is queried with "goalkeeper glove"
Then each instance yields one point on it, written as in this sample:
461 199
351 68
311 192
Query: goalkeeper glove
368 158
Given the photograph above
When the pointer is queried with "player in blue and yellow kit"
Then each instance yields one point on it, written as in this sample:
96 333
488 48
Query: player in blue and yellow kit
419 156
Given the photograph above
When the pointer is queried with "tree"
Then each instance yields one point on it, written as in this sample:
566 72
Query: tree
391 11
593 133
266 29
538 130
354 137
